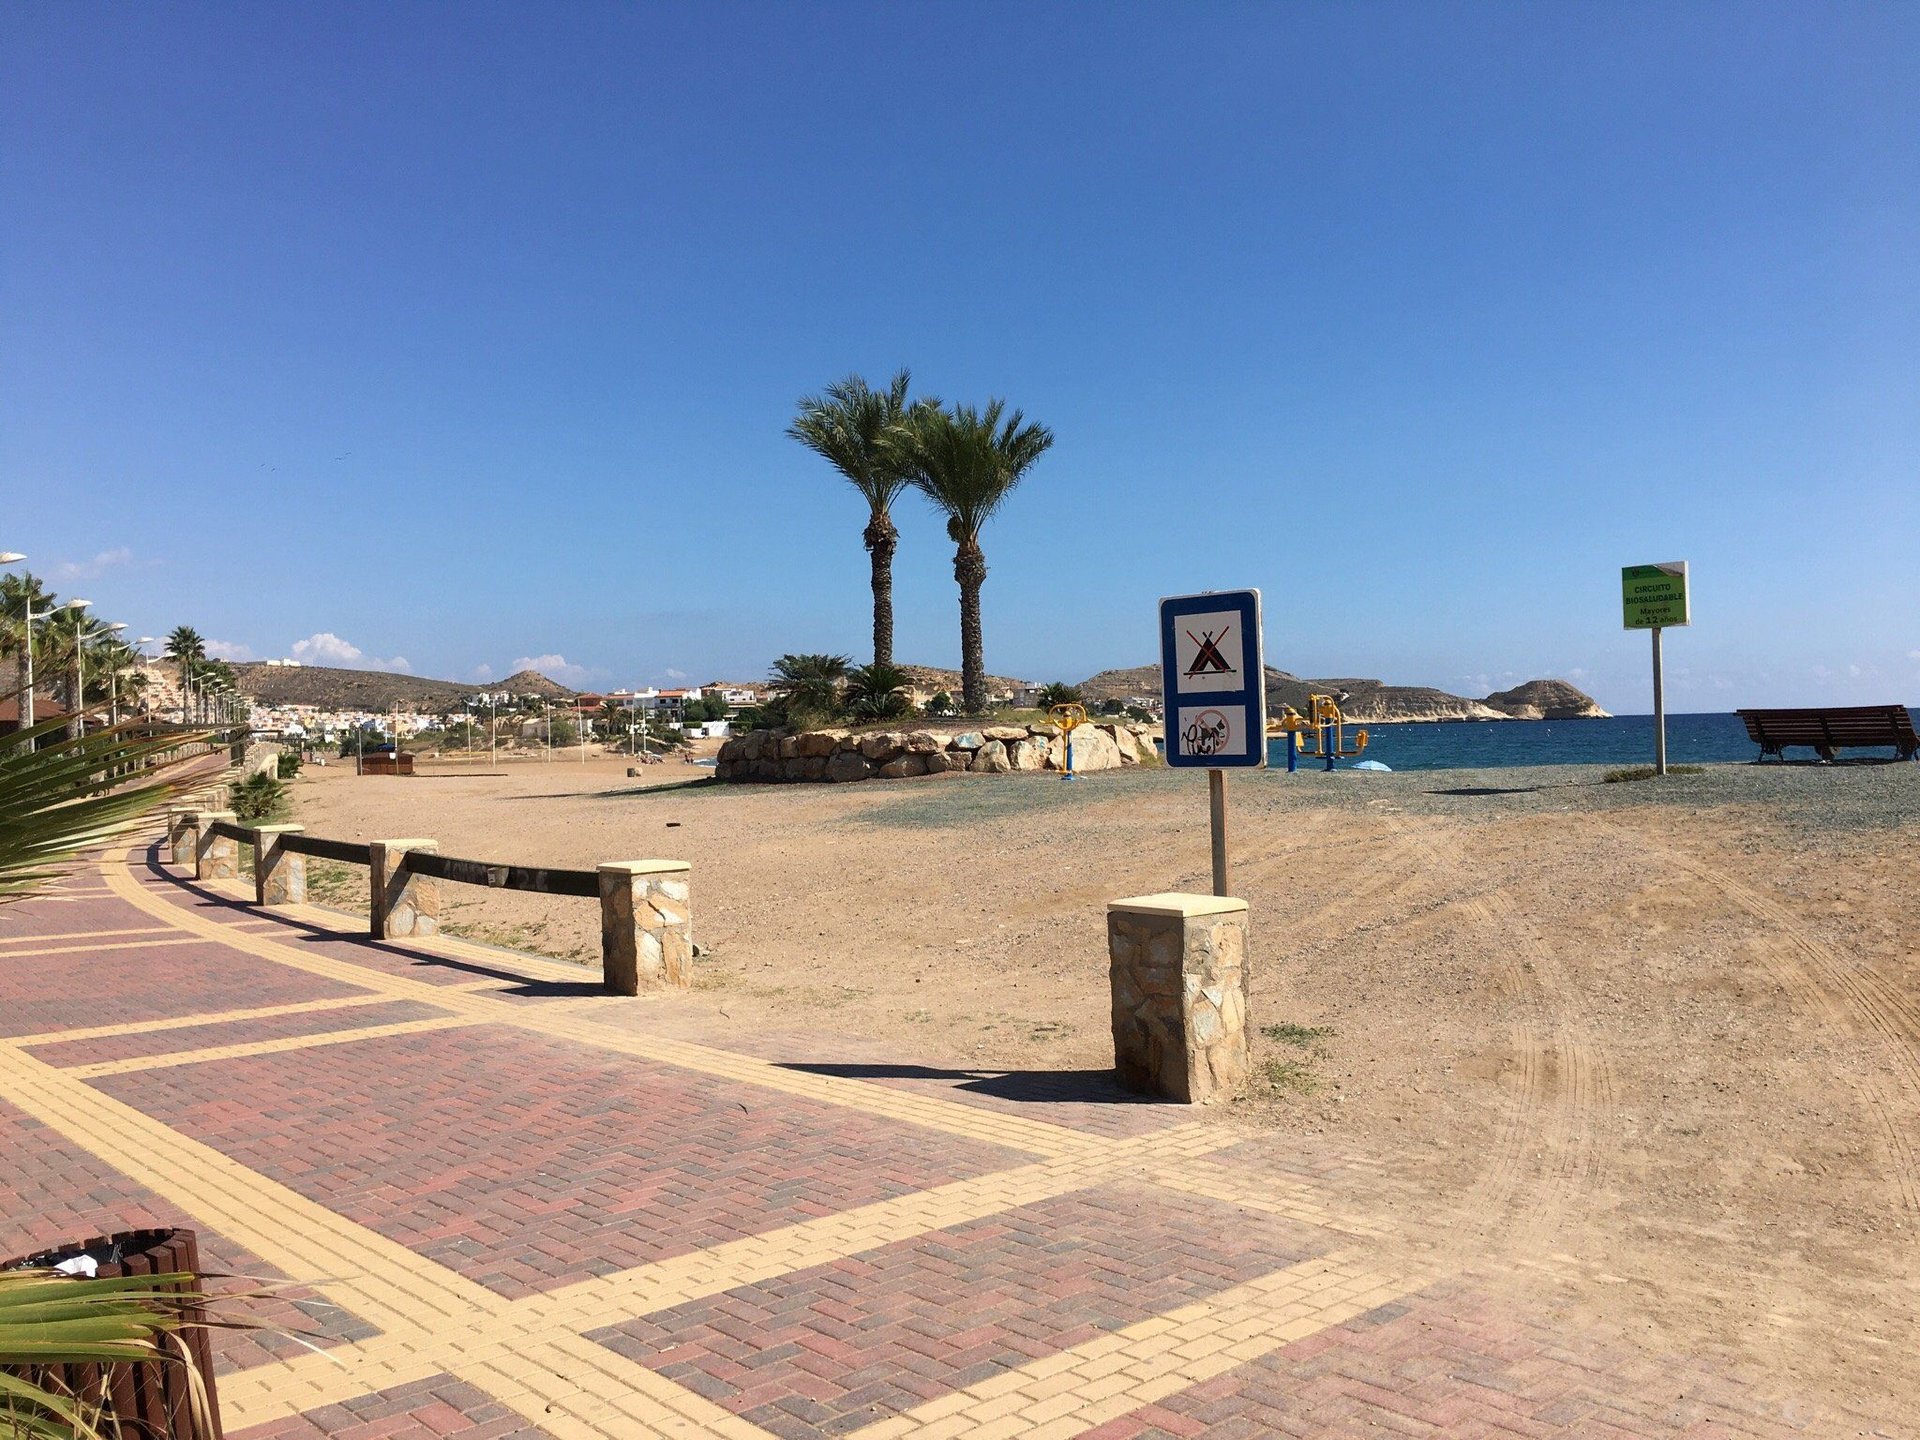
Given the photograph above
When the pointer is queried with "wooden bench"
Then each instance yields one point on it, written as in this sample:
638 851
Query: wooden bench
1829 731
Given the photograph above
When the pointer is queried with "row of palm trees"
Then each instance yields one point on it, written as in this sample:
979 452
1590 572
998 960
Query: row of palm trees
78 660
206 685
965 460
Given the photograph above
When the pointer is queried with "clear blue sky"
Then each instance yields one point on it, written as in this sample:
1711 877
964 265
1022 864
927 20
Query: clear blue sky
468 333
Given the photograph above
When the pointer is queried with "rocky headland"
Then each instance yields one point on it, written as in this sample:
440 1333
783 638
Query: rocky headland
1374 702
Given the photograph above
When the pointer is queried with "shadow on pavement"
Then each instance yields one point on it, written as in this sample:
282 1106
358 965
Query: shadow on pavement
1095 1087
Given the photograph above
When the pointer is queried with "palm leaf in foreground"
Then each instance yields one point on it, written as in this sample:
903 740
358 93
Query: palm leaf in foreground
60 797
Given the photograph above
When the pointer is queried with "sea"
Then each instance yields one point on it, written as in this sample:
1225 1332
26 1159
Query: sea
1493 744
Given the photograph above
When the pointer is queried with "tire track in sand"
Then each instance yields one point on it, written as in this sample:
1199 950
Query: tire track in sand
1846 992
1550 1146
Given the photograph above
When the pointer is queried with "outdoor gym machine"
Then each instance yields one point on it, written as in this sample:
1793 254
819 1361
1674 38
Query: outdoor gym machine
1321 734
1069 718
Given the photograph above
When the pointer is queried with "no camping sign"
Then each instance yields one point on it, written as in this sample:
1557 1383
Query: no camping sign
1213 680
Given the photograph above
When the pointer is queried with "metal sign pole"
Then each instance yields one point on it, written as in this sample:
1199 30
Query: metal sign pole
1217 809
1659 710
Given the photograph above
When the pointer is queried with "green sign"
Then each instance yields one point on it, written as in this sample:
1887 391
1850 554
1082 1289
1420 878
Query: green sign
1654 596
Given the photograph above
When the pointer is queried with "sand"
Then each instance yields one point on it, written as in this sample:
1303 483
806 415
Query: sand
1651 1050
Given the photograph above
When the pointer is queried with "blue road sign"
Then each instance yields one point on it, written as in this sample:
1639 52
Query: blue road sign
1213 680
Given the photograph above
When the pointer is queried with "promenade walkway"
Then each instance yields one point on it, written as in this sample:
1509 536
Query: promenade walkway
517 1209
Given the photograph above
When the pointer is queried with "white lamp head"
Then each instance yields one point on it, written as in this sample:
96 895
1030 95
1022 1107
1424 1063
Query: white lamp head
11 557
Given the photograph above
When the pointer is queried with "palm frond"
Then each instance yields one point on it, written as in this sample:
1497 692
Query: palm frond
847 426
966 460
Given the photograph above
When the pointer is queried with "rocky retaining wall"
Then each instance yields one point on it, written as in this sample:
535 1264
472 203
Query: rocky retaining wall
776 756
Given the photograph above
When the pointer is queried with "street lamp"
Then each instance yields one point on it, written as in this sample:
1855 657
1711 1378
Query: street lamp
27 606
80 638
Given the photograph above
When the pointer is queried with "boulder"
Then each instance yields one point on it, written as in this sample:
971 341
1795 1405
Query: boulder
881 745
763 769
906 765
924 742
1045 727
1123 743
807 767
731 750
1093 749
992 759
848 765
817 744
1005 733
789 747
942 761
972 740
722 770
1028 754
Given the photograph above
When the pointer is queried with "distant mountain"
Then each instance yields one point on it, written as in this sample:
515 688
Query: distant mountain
335 689
1375 701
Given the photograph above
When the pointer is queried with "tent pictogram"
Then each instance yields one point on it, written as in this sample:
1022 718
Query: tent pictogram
1207 659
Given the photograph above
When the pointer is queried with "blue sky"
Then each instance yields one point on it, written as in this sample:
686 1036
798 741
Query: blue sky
462 334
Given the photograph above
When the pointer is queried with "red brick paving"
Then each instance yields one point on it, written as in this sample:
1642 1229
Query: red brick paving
439 1409
818 1351
1456 1361
52 1193
524 1162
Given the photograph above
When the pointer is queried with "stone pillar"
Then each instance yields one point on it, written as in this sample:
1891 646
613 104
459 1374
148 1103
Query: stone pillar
1178 967
403 901
279 876
183 837
215 857
646 926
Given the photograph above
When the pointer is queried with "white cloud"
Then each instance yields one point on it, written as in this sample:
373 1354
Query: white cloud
1913 654
554 667
229 650
480 672
96 567
675 674
327 648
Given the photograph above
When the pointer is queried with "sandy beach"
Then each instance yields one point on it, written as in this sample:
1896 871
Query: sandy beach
1653 1052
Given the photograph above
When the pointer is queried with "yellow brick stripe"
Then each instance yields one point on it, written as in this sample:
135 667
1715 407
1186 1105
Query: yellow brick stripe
90 948
1113 1374
11 940
185 1022
277 1046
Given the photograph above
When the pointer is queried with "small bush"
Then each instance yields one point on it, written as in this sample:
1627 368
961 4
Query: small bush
1303 1035
258 798
289 764
1645 772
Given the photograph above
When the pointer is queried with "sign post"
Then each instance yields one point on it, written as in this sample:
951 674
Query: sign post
1653 597
1213 693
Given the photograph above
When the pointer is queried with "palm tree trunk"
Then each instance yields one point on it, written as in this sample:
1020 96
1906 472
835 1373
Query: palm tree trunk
76 709
882 539
970 569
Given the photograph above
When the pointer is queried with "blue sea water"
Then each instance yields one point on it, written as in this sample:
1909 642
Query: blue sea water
1618 740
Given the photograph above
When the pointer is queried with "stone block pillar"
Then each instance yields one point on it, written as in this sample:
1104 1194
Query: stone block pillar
404 902
646 926
1178 966
183 837
279 876
215 857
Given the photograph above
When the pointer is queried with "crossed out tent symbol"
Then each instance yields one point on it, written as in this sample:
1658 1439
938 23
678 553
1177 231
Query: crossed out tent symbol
1207 658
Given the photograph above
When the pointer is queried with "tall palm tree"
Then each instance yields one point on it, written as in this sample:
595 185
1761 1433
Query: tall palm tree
848 427
967 461
19 594
187 649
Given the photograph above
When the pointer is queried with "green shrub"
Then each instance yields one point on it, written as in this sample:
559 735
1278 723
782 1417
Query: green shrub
1645 772
258 798
289 764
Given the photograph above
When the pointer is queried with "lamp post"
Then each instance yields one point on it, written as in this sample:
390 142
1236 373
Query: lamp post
141 644
80 638
27 606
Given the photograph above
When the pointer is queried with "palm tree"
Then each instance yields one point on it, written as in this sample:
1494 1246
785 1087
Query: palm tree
1058 693
188 649
848 427
877 692
808 686
967 462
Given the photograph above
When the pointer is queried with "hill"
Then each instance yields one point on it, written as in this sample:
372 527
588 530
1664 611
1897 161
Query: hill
1375 701
1546 700
336 689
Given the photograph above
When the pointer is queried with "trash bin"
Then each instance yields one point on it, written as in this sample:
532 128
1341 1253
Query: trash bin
152 1399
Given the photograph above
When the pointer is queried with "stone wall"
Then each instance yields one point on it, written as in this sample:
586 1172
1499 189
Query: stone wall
777 756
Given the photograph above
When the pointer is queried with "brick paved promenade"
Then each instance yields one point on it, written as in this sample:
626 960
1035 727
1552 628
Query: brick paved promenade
516 1212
